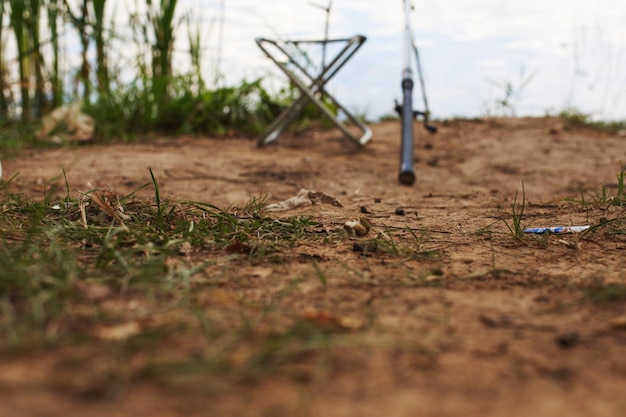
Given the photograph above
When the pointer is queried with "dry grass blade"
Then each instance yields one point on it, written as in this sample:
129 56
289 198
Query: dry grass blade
105 206
82 206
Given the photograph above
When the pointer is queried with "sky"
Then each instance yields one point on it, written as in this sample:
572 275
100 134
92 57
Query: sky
536 56
551 54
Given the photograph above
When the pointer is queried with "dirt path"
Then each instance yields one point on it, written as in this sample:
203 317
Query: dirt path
473 323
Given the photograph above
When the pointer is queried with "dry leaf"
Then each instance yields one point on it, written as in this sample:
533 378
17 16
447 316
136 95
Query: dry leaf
350 323
79 125
104 205
185 249
82 205
171 264
359 227
93 291
332 322
238 247
304 198
261 272
299 200
318 197
118 332
619 323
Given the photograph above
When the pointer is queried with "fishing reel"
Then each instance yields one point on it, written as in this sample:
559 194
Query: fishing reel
416 115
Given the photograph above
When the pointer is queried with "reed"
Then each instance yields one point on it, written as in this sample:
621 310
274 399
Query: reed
17 16
195 53
4 105
34 33
79 20
24 22
102 70
54 9
162 23
149 96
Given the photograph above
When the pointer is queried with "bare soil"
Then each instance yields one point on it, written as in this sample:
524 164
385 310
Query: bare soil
473 322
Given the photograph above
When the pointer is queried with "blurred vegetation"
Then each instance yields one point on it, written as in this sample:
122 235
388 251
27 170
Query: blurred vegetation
573 118
131 79
125 95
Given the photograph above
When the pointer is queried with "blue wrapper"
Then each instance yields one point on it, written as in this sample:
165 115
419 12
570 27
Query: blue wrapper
556 229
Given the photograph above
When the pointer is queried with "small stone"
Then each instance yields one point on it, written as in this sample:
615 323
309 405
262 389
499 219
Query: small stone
488 321
619 323
568 340
364 247
359 227
400 211
185 249
433 162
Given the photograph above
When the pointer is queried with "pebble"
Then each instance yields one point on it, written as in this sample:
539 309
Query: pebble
567 340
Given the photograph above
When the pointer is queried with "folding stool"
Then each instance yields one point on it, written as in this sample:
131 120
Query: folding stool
312 88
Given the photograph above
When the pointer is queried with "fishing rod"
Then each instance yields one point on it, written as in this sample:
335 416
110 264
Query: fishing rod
406 112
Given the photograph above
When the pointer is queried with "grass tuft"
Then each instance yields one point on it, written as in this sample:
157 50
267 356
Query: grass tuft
517 215
51 248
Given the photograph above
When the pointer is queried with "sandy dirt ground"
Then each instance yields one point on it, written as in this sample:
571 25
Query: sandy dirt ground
474 322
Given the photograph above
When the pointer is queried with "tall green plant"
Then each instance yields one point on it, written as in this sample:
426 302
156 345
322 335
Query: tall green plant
517 208
102 70
155 98
24 19
4 106
161 19
80 20
54 10
34 33
25 22
16 18
195 53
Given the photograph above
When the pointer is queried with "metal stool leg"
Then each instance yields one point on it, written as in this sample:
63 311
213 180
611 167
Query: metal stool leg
314 90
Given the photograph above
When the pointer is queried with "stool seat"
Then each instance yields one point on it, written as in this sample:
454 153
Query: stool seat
311 86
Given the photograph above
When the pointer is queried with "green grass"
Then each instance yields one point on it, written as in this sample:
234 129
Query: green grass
53 251
76 270
611 203
573 119
605 293
228 284
517 216
126 98
48 247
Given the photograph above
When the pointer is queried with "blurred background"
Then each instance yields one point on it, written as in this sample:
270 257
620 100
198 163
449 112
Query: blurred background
478 56
193 65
